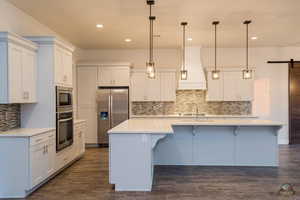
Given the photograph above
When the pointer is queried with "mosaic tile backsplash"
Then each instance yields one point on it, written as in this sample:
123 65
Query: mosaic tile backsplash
187 101
9 116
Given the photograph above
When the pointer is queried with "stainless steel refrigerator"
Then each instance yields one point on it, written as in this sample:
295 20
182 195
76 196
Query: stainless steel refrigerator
113 108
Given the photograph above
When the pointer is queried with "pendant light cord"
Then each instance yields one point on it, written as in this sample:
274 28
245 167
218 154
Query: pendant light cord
247 38
247 22
150 37
183 24
215 23
183 50
215 47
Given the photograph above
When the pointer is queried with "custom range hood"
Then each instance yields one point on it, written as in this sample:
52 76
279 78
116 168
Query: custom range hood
196 77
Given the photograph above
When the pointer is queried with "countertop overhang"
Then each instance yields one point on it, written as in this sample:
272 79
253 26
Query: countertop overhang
165 126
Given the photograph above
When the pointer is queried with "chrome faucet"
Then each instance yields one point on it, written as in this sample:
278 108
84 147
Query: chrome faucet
197 109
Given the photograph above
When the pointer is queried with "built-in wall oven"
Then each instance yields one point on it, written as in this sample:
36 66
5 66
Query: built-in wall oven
64 118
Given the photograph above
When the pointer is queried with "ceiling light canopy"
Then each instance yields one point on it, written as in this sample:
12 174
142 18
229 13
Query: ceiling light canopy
99 26
247 73
215 73
150 66
183 71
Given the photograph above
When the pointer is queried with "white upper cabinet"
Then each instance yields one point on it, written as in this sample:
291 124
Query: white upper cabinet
63 67
168 86
18 69
162 88
113 75
230 87
214 88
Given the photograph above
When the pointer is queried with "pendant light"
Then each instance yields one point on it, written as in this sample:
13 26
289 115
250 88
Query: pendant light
150 68
247 73
183 71
215 73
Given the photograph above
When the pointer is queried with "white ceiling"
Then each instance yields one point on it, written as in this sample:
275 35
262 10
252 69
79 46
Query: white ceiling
275 22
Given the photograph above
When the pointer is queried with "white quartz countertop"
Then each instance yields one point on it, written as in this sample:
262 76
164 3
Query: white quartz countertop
165 126
25 132
191 116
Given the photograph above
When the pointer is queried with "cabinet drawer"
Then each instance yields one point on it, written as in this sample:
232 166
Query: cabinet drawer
62 159
42 138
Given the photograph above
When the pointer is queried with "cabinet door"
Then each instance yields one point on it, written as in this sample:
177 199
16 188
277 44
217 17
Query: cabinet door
90 114
59 66
168 86
104 76
138 86
87 85
231 85
246 89
29 76
82 140
68 69
153 88
38 163
214 88
120 76
15 74
50 153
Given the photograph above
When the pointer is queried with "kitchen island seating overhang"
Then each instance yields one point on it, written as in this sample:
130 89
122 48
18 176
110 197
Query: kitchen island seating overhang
137 145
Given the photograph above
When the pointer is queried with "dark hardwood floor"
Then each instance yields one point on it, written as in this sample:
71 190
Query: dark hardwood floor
87 179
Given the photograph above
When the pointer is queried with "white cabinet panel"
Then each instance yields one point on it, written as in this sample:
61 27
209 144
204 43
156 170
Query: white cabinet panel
104 76
214 88
162 88
138 86
38 162
63 67
87 85
68 68
168 86
120 76
113 76
29 76
153 89
15 54
90 115
230 87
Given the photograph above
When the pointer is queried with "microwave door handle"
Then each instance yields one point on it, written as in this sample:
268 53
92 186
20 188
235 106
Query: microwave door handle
64 120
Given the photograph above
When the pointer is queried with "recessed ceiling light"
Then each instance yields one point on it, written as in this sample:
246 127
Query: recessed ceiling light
99 25
128 40
253 38
190 39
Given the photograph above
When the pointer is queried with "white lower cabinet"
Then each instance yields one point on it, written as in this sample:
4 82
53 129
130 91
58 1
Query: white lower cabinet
33 160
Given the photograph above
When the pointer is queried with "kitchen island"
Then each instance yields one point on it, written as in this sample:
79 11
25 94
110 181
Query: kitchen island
137 145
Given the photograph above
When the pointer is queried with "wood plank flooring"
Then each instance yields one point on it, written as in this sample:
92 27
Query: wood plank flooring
87 179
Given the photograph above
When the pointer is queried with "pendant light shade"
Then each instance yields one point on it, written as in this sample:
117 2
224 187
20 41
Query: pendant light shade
215 73
150 66
183 71
247 73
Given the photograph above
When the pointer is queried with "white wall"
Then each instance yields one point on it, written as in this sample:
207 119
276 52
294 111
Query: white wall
15 20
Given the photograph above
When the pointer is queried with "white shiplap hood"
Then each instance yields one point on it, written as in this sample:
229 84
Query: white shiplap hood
196 78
